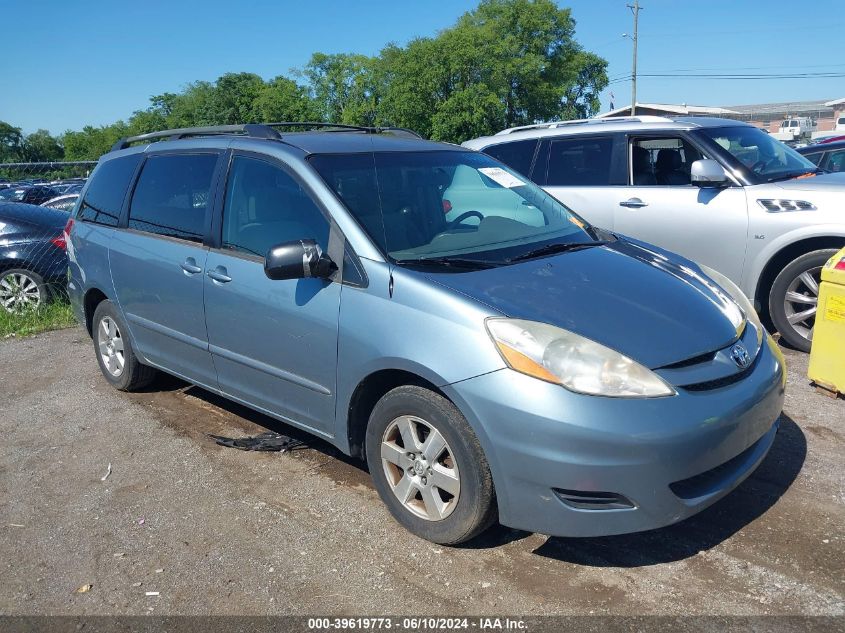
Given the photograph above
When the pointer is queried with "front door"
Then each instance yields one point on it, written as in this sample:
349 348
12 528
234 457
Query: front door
661 206
274 343
158 262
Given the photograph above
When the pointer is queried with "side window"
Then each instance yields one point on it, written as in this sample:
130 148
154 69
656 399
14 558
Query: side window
105 194
836 161
266 206
661 161
814 158
172 194
517 155
579 162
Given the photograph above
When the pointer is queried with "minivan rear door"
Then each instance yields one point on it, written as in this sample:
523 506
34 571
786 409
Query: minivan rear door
274 343
158 262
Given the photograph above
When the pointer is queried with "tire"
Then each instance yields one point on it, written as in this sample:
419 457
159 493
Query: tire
447 517
114 353
793 317
22 289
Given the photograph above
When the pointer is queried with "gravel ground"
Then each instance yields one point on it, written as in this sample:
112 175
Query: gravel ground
214 530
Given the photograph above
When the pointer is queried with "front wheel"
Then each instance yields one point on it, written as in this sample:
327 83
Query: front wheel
21 290
428 466
794 298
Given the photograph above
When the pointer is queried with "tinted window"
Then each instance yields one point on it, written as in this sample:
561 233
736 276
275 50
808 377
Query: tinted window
105 194
266 206
836 161
517 155
662 161
172 194
579 162
814 158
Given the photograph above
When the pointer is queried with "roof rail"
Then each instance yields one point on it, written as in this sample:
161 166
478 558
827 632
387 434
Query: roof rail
255 130
556 124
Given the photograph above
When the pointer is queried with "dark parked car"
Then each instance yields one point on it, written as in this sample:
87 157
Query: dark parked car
33 263
828 156
63 203
32 194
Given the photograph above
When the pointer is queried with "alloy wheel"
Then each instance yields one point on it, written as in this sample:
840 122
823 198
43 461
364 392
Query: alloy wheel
420 468
801 302
18 292
110 344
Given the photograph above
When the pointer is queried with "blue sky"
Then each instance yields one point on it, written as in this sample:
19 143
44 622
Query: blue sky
68 64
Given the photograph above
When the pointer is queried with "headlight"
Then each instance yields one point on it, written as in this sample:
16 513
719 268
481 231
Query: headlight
738 296
577 363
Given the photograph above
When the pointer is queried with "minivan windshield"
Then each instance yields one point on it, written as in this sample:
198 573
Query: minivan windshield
756 153
450 207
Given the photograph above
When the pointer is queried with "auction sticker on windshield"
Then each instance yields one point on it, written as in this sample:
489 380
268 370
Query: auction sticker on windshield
501 177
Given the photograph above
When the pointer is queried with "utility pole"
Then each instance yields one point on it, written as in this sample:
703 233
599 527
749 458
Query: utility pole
635 9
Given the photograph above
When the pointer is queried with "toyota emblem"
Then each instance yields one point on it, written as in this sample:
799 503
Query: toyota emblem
740 356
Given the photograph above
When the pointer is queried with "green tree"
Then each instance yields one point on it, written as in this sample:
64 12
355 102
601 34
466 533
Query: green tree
11 140
344 87
40 146
92 142
282 99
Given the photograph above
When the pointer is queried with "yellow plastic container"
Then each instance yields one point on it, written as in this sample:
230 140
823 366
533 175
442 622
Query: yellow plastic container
827 356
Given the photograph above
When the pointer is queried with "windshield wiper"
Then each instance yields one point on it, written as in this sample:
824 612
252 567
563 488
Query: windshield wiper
796 175
458 262
550 249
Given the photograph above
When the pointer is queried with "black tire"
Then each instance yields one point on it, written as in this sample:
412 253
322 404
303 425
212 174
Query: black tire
475 508
6 277
794 335
134 375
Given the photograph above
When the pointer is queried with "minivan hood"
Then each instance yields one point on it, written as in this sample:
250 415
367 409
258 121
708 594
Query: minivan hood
647 304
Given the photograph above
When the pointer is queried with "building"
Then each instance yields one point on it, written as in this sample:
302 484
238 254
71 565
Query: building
764 115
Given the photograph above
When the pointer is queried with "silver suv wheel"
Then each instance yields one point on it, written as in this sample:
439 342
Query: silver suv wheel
801 301
420 468
110 344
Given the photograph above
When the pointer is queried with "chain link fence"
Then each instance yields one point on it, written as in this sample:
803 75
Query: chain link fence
36 200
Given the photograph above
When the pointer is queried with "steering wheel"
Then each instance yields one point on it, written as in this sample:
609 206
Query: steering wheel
465 215
760 165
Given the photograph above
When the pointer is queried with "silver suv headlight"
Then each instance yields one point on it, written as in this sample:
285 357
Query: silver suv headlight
738 296
558 356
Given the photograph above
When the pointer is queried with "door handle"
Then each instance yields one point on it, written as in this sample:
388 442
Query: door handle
190 266
219 275
633 203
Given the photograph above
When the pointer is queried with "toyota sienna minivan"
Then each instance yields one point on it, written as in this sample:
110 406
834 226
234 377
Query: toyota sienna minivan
511 363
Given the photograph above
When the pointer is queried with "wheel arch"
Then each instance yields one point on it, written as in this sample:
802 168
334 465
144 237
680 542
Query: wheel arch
781 258
93 297
367 393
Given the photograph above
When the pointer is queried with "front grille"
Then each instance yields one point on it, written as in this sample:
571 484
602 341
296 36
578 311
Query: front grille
589 500
726 381
689 362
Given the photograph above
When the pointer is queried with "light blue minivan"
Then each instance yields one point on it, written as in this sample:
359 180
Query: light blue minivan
510 363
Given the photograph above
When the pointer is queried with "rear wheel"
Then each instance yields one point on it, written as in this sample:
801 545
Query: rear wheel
115 355
21 290
428 466
794 298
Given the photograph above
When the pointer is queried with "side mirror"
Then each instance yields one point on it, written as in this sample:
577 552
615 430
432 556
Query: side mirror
297 260
708 173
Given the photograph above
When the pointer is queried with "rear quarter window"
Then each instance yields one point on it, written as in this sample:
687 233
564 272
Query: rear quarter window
172 195
518 155
579 162
105 194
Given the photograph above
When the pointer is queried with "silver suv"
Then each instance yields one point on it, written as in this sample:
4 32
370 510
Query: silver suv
717 191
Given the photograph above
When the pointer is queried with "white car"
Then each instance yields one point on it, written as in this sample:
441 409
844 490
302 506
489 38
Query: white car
718 191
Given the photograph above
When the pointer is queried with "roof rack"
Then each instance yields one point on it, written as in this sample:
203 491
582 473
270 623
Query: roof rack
556 124
255 130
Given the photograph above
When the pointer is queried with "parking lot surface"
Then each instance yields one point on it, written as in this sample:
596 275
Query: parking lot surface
214 530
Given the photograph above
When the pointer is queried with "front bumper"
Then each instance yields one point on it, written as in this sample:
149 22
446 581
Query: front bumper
668 458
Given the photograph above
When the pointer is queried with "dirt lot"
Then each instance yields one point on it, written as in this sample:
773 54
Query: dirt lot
216 530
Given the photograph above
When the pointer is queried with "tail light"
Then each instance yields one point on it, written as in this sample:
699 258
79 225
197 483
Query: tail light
447 206
840 265
61 239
